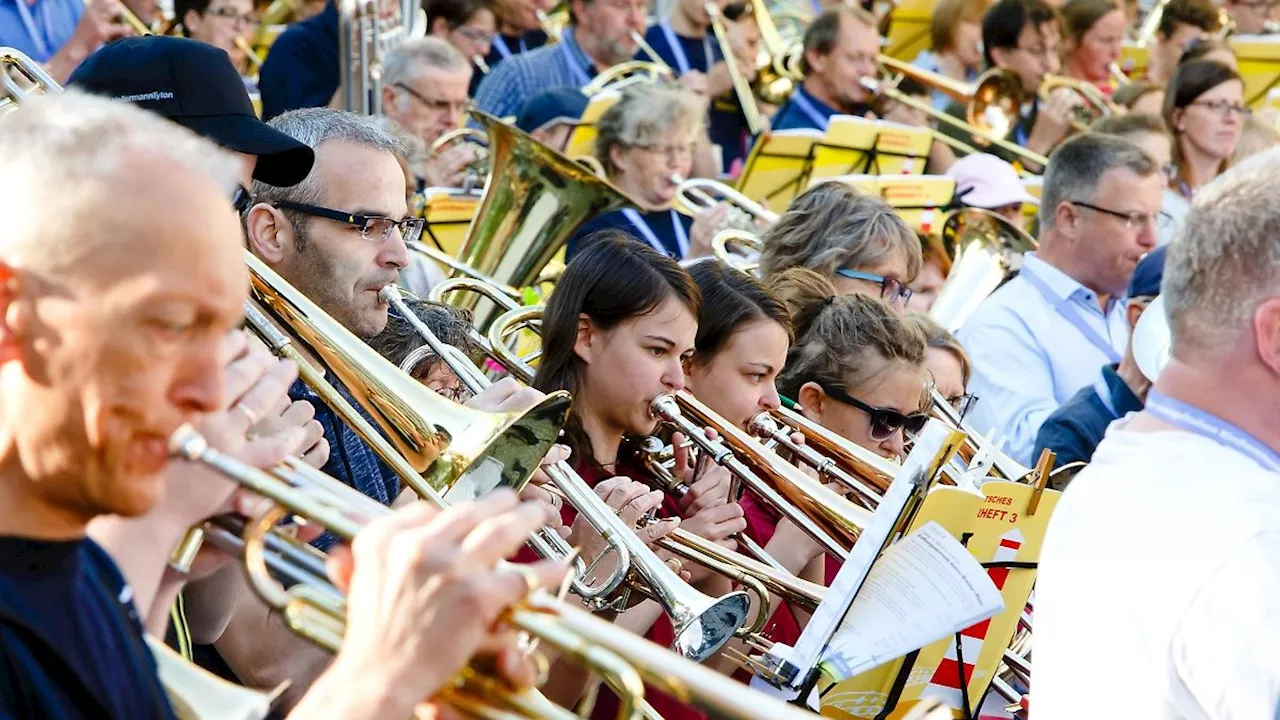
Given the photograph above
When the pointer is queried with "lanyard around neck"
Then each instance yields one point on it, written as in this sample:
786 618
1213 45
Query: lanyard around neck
677 49
808 108
500 44
1069 312
38 34
574 62
682 238
1193 419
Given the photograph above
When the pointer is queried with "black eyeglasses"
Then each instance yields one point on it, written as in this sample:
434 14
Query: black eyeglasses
455 107
884 421
370 226
1132 220
241 199
892 290
962 404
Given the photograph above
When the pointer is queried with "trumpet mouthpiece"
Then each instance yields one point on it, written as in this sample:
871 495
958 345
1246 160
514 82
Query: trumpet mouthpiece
187 444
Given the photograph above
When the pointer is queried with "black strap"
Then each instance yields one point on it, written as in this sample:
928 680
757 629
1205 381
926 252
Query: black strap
899 684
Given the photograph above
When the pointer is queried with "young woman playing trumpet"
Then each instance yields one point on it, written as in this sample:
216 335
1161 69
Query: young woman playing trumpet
616 333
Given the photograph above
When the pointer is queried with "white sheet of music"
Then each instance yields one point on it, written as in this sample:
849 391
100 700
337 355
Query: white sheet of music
923 588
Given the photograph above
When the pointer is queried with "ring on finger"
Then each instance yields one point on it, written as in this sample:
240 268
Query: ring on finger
526 574
249 414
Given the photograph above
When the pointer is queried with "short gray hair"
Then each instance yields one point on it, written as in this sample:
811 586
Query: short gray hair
1077 165
314 127
410 57
645 113
831 225
1225 259
54 149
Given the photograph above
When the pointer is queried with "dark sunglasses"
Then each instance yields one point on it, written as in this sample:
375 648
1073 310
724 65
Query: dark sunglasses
891 289
884 421
371 227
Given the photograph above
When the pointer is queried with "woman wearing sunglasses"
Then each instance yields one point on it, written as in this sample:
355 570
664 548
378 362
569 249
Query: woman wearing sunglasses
1204 107
855 241
616 333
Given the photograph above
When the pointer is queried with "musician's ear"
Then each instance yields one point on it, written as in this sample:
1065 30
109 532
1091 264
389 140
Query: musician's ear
815 61
268 233
1266 332
584 343
615 155
811 398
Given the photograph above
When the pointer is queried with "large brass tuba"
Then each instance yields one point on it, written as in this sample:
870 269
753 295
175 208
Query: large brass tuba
985 249
534 200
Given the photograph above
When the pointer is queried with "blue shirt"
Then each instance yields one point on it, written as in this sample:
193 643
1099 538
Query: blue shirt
926 60
351 459
503 47
39 30
506 89
662 223
301 70
1029 358
71 643
1074 430
803 110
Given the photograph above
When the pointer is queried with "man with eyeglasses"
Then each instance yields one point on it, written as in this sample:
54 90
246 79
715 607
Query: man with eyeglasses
598 38
840 50
1046 333
1074 430
1023 37
424 92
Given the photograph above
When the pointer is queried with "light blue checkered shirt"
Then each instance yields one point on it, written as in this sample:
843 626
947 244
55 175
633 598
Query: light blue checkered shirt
518 79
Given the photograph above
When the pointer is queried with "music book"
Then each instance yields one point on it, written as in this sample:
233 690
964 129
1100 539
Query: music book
925 587
778 166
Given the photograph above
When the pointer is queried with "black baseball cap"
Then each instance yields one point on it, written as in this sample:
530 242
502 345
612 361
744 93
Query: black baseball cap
562 104
196 86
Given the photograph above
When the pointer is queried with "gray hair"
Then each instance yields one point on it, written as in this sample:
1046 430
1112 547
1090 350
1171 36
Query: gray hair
1226 257
53 150
643 115
409 58
314 127
832 225
1077 165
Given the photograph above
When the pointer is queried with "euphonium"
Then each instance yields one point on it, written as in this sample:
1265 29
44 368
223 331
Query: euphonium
534 200
984 248
626 74
478 169
315 610
702 624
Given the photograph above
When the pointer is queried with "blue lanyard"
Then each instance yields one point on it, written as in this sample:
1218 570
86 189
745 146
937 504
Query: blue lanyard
682 238
575 67
1193 419
682 60
1063 306
500 43
1103 391
39 38
808 109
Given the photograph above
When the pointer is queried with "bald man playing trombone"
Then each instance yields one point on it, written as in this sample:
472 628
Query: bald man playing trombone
110 342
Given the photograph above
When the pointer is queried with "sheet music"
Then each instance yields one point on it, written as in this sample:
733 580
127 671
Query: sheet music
923 588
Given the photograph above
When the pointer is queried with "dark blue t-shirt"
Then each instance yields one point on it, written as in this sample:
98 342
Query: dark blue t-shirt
71 644
726 125
301 70
1074 430
661 223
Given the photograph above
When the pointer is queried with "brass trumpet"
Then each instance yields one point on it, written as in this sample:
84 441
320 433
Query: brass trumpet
702 624
477 169
696 195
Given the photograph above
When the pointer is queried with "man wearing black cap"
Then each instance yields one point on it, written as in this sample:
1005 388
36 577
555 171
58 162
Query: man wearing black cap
1074 430
196 86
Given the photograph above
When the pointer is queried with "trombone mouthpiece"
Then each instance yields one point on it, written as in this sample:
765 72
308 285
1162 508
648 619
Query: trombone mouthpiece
664 407
388 293
187 444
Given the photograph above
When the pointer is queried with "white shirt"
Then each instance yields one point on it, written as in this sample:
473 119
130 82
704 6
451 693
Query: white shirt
1176 207
1028 358
1159 586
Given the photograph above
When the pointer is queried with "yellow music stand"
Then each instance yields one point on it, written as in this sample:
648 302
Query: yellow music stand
920 200
909 31
448 215
778 167
1006 524
582 141
1259 59
857 145
1133 61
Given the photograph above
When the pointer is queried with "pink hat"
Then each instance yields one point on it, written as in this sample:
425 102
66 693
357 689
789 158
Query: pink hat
986 181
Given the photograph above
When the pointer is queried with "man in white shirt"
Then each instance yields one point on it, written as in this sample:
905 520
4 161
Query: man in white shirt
1161 555
1047 333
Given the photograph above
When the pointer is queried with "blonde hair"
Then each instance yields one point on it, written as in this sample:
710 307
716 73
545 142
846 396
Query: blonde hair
645 114
846 341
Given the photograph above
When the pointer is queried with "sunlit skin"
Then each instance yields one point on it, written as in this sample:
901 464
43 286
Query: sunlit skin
220 31
899 386
1091 56
1208 137
646 173
340 270
738 381
1156 145
834 78
924 289
948 376
431 103
894 266
473 37
103 358
626 367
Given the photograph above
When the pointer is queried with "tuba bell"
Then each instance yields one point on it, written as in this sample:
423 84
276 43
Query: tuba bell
985 249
